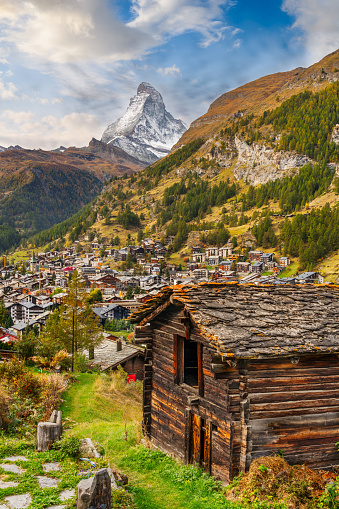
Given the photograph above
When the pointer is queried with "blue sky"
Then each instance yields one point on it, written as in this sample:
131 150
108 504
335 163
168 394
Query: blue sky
69 67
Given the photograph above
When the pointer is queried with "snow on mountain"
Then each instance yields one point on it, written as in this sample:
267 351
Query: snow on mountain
147 131
11 147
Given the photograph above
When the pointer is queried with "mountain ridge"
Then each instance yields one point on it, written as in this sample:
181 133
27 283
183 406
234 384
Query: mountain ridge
261 94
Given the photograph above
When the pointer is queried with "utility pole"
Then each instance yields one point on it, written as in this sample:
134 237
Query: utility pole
73 340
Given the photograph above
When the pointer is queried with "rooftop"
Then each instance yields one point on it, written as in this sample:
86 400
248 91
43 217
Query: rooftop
253 320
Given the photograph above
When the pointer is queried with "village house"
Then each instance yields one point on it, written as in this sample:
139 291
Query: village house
244 267
309 277
110 312
267 258
25 311
284 261
225 252
199 257
212 252
213 260
234 372
225 265
200 273
255 256
257 267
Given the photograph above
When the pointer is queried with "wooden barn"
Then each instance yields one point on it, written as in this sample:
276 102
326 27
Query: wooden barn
234 372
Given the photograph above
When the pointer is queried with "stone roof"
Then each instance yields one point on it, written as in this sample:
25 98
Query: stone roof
107 356
251 321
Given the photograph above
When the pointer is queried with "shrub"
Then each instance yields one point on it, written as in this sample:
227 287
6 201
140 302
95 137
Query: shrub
122 499
4 408
68 446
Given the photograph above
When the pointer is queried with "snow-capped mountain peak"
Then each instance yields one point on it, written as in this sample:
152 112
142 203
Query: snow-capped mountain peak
146 131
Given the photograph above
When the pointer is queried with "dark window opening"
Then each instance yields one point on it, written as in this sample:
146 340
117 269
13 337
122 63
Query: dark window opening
191 372
187 363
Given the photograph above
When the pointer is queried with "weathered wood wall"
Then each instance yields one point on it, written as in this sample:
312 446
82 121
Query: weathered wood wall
135 366
250 407
294 408
170 401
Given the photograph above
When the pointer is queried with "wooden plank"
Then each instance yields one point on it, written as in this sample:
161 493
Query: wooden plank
196 439
207 446
188 432
300 396
297 372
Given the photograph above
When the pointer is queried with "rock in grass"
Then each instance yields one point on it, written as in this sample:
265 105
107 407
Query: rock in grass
95 491
19 501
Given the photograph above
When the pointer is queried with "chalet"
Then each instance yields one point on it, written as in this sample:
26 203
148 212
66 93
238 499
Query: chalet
149 282
111 311
106 281
161 251
255 256
24 311
196 249
244 267
234 372
266 258
284 261
200 273
225 265
139 252
130 358
257 267
308 277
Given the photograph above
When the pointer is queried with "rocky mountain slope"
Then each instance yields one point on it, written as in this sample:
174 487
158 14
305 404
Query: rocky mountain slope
147 131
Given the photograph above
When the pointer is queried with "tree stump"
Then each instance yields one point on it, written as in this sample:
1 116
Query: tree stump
49 432
95 492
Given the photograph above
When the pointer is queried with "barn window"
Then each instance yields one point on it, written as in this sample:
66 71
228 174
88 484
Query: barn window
188 363
191 363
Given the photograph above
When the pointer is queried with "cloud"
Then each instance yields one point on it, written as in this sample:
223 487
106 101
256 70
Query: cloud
18 117
164 18
48 132
66 31
170 71
318 21
8 10
7 91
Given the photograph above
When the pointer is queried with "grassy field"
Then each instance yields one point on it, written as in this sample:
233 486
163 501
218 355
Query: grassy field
109 411
290 270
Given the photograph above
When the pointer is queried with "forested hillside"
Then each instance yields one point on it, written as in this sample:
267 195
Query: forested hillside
196 188
38 197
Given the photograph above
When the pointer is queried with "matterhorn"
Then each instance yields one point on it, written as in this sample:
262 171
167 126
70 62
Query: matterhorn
147 131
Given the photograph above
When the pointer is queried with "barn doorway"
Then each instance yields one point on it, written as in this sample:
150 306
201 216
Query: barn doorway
198 441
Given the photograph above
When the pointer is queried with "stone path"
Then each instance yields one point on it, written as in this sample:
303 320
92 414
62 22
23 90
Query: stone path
22 501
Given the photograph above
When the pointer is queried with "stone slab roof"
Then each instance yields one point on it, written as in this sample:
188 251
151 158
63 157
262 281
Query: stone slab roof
254 321
107 356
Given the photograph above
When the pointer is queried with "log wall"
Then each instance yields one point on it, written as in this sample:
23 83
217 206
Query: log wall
170 401
248 408
294 408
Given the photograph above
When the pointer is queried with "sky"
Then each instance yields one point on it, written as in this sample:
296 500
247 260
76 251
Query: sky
69 67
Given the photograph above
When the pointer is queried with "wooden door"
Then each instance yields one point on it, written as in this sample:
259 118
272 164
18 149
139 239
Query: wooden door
198 441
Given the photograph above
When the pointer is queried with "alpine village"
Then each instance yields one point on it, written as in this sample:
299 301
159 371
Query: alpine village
169 314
